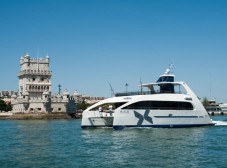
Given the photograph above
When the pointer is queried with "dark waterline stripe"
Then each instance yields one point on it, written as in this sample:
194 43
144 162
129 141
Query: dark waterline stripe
117 127
177 116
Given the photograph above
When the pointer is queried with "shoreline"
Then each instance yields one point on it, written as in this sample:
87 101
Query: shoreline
215 113
57 116
40 116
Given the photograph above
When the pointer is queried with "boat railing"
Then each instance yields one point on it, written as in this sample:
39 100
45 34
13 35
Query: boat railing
106 113
133 93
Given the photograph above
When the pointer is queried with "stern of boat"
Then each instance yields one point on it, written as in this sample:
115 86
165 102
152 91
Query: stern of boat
96 119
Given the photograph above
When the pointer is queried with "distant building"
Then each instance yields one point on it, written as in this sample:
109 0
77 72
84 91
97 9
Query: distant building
88 99
6 93
92 99
35 86
223 107
212 106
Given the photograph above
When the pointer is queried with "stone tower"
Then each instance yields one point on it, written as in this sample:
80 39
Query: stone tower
34 93
34 77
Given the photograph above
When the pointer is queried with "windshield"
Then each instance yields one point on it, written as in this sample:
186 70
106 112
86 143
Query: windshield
166 79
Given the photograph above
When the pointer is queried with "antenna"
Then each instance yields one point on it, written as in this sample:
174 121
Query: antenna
141 87
168 70
173 63
170 66
112 91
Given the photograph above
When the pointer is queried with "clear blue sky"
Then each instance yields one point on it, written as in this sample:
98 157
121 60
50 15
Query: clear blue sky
93 42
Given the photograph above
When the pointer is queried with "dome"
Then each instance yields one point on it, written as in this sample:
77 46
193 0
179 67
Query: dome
58 96
14 96
66 92
76 93
27 55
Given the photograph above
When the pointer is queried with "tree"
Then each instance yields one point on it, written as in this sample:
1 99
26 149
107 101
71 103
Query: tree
4 106
83 105
205 101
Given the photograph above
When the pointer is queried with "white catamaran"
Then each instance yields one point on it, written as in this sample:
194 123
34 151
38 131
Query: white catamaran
166 104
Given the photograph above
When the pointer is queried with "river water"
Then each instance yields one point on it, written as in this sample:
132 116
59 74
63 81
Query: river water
62 143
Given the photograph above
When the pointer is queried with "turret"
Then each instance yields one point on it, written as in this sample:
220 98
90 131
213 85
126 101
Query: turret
76 96
26 57
47 57
21 60
13 98
26 95
46 95
65 95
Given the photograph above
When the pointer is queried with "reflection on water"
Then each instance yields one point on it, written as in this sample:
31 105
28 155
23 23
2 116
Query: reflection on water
33 137
35 143
62 143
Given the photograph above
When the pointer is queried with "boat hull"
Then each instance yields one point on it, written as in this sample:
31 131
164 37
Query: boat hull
96 122
119 127
147 118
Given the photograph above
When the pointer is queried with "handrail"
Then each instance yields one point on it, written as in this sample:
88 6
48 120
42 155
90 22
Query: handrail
144 93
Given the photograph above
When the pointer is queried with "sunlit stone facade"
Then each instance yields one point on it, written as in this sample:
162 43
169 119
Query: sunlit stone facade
34 92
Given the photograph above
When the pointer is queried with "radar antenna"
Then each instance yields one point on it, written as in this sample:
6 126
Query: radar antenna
168 70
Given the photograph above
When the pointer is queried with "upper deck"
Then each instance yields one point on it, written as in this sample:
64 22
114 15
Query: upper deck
164 84
157 88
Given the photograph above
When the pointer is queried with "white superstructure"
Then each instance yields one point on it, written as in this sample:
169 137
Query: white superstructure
165 104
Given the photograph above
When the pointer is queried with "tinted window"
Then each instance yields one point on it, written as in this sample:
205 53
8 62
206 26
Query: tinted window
166 79
166 88
162 105
106 105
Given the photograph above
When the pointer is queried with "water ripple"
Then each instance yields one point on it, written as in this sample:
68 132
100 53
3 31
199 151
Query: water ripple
62 143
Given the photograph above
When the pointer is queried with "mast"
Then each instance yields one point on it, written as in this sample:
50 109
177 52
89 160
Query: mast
141 87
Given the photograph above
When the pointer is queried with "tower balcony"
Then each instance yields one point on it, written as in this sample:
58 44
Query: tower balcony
34 72
37 88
